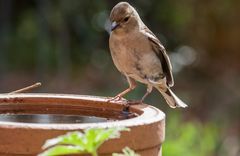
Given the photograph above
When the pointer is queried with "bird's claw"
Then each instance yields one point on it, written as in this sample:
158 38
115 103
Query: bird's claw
116 98
127 102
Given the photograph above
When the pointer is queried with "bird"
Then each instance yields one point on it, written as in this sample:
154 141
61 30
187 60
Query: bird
139 55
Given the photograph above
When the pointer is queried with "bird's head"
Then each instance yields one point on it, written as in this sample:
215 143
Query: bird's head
124 18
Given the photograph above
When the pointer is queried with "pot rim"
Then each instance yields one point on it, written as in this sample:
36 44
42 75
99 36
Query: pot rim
146 114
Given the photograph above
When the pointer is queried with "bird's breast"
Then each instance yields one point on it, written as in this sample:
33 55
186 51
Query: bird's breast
133 56
122 53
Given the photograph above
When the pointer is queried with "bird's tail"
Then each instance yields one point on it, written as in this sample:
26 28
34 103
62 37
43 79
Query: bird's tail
172 100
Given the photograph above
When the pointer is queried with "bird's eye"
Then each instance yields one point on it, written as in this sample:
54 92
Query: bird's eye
126 19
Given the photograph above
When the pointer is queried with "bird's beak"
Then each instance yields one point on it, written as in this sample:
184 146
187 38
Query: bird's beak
114 25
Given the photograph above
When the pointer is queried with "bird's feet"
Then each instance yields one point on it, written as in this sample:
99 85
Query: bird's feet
127 103
116 98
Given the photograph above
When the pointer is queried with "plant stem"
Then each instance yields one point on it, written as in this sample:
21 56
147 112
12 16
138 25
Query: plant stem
26 88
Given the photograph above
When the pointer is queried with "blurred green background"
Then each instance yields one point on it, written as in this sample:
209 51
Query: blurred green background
64 45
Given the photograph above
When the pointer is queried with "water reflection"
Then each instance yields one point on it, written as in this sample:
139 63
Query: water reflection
50 118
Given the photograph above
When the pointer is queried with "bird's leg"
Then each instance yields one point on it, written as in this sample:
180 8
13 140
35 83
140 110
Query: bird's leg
149 90
132 85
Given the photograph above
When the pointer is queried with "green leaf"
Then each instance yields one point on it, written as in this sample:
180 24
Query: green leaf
96 137
71 138
106 134
126 152
88 142
61 150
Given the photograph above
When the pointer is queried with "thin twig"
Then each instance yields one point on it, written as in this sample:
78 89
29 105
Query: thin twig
26 88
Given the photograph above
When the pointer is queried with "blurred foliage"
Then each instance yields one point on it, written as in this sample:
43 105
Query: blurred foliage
190 138
64 44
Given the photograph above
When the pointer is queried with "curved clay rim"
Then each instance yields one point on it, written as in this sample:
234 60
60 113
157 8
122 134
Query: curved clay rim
147 123
75 105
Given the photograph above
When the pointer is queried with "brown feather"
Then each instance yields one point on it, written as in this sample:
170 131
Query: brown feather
162 55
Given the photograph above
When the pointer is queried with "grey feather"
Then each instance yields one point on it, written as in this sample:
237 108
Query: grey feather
172 100
162 55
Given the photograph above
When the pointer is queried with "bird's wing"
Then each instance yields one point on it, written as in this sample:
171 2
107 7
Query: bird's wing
160 51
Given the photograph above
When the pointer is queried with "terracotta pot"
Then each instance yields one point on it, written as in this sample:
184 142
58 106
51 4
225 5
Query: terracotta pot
147 123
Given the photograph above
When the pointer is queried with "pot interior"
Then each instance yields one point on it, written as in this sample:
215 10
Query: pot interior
51 118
